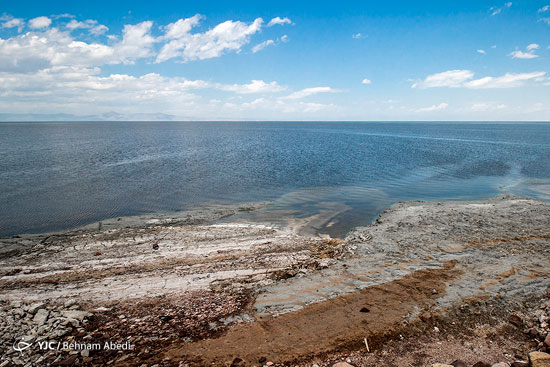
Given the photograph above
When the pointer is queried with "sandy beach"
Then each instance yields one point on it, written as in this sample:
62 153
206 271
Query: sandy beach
418 286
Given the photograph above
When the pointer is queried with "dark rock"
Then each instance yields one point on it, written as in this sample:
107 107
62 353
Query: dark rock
262 360
155 246
236 361
459 363
364 309
481 364
532 332
145 355
515 320
547 340
519 364
69 361
166 318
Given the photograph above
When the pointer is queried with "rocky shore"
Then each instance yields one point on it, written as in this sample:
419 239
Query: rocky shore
453 282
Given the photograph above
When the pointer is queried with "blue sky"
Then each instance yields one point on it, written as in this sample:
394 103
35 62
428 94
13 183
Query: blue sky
284 60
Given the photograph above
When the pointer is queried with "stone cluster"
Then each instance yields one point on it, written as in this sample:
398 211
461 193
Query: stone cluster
30 330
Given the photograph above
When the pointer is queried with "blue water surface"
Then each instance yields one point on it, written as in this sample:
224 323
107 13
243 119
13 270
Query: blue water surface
56 175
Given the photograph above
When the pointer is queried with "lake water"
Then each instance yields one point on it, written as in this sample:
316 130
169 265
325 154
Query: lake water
65 174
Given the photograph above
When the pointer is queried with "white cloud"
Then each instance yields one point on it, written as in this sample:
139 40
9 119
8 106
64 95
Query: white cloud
310 91
439 107
40 22
137 42
227 36
451 78
92 25
464 79
481 52
261 46
279 20
508 80
366 81
358 36
489 106
533 46
544 9
14 22
523 55
256 86
496 10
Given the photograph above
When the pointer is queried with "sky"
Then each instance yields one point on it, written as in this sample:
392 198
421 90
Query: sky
284 60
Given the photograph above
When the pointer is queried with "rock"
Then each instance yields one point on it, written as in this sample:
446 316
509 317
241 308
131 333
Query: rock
364 309
441 365
70 302
547 340
155 246
85 352
69 361
501 364
459 363
539 359
74 322
41 316
481 364
342 364
75 314
519 364
33 308
532 332
515 320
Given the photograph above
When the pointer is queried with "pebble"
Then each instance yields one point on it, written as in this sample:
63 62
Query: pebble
342 364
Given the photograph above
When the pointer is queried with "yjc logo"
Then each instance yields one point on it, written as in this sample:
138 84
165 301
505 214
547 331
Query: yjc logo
21 346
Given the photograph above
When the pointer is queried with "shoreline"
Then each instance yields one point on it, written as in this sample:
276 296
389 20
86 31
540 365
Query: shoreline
245 280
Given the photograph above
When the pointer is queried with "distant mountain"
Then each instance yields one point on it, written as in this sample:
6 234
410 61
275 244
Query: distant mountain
108 116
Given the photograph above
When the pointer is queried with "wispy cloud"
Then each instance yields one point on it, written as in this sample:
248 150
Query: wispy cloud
530 54
464 79
366 81
495 10
279 21
488 106
451 78
481 52
358 36
310 91
439 107
260 46
256 86
11 22
94 27
544 9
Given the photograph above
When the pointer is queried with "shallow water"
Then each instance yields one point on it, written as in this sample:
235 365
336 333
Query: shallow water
65 174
